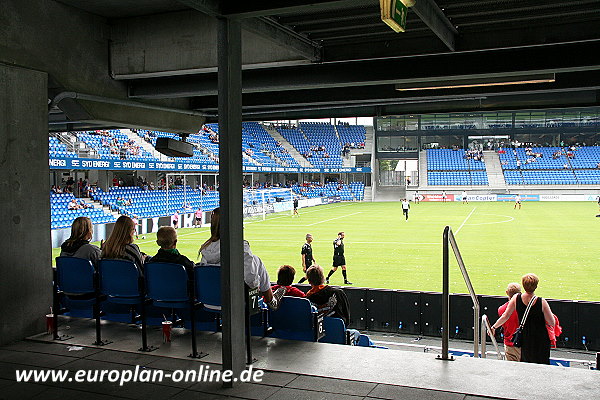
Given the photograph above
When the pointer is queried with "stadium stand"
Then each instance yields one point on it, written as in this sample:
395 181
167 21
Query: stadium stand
58 149
351 192
268 143
62 217
355 135
551 165
454 167
113 144
325 145
153 203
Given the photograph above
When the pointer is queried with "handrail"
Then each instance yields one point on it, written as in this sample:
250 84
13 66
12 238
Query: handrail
486 329
448 237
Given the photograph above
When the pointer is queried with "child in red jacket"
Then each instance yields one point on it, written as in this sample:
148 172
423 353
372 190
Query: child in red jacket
285 278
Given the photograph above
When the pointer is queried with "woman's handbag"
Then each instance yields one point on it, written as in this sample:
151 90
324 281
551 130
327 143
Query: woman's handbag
517 337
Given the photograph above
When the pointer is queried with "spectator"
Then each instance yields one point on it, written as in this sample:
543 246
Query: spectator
78 244
175 219
510 326
535 341
73 205
166 238
255 273
119 244
198 217
330 302
285 278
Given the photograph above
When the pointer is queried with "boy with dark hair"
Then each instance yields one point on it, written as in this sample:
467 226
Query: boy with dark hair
166 238
285 278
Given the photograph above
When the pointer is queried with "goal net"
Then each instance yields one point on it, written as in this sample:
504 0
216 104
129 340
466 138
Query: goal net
258 203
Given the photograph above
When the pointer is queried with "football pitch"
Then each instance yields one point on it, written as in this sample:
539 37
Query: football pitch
555 240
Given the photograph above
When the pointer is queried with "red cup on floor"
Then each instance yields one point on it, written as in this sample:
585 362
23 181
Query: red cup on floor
49 323
166 329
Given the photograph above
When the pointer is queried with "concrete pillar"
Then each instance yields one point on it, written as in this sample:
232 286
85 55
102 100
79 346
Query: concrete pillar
104 179
230 184
25 265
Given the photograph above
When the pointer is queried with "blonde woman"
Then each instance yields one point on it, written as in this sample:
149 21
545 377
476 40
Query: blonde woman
78 245
120 243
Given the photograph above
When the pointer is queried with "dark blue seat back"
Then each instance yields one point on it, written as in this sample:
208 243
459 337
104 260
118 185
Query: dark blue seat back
119 278
208 285
335 331
294 319
75 275
166 282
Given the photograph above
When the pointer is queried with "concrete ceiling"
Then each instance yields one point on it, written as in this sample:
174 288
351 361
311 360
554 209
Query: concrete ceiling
336 57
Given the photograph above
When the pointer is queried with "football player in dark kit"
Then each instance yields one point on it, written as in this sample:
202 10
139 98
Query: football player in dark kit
295 208
307 256
338 258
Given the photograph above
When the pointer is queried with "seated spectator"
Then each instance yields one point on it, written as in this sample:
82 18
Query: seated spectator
78 244
166 238
119 244
73 205
285 278
330 301
255 273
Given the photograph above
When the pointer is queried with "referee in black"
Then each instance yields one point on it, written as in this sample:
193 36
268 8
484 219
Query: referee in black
338 258
307 256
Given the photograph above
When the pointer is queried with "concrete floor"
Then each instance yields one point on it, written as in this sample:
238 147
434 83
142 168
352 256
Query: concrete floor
298 370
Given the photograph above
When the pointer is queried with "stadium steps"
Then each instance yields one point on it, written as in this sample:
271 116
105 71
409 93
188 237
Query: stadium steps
145 145
287 145
104 208
389 193
423 168
368 196
99 206
494 170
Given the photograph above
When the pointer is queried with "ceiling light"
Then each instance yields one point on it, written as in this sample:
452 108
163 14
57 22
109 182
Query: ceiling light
476 82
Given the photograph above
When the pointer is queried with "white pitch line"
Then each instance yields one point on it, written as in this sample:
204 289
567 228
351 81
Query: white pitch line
331 219
353 242
463 224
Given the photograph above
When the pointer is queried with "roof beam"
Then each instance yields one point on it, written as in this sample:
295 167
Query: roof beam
284 36
248 9
556 58
435 19
265 27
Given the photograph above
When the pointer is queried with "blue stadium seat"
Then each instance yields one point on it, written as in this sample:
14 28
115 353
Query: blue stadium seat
296 319
168 287
123 283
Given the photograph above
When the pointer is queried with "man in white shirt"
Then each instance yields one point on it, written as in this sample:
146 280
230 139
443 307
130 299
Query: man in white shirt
405 208
464 197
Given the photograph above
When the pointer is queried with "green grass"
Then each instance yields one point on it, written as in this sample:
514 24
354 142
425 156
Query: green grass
499 244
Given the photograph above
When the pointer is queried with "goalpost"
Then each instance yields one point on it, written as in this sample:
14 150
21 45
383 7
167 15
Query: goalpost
189 199
260 202
257 203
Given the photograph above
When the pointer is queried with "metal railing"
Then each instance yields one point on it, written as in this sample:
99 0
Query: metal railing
449 239
486 329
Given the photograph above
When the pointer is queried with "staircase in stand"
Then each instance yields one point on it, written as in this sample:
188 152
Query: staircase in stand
287 145
97 205
145 145
423 168
494 170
